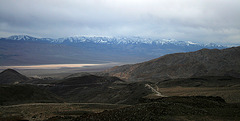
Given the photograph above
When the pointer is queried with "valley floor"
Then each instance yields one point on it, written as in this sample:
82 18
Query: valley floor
59 70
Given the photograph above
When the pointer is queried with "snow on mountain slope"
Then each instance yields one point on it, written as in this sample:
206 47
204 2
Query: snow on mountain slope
22 37
131 41
22 49
27 38
112 40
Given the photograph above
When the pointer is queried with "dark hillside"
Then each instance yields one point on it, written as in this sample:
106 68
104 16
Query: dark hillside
99 89
88 79
167 109
18 94
205 62
204 81
10 76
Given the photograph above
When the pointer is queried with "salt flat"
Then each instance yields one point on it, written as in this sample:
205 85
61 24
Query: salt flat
59 70
54 66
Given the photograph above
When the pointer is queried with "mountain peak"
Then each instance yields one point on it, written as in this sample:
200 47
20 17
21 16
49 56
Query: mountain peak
9 71
22 37
10 76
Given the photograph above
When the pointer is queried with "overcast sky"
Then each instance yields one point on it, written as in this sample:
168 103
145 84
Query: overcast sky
204 21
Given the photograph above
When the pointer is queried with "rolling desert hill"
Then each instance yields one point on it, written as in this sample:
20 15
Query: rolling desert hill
88 80
166 109
204 81
204 62
99 89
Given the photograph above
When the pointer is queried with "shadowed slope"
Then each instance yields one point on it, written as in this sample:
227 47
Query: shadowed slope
18 94
10 76
99 89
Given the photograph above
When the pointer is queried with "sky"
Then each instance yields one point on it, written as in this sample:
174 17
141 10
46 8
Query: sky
203 21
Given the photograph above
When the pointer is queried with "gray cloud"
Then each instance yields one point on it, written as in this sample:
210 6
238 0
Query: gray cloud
199 20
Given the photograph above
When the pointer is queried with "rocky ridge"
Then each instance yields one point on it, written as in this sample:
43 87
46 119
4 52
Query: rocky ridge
211 62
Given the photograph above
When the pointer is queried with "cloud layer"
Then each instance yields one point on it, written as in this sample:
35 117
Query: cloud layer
203 21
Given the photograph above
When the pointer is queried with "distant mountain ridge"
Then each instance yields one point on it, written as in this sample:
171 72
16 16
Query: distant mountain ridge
111 40
27 50
27 38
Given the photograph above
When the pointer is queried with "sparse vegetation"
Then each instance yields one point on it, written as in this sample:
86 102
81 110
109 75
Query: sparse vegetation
19 94
43 111
168 108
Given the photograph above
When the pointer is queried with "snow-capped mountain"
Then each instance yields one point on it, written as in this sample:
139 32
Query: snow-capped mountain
23 49
122 40
113 40
27 38
22 38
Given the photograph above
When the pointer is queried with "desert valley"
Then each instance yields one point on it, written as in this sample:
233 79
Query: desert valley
200 85
119 60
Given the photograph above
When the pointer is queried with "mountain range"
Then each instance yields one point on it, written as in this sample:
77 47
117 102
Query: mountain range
110 40
26 50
